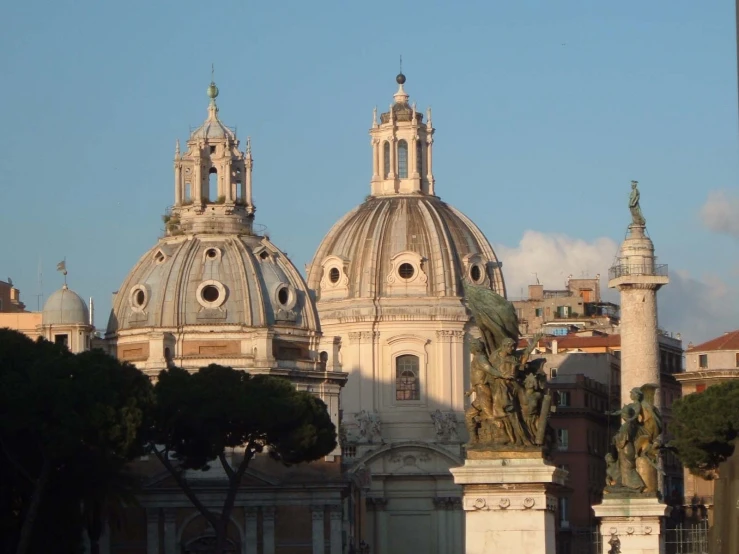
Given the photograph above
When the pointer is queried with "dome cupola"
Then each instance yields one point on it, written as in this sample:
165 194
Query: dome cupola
213 189
401 148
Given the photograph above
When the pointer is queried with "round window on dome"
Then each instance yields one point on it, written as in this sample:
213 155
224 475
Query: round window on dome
140 298
210 293
211 253
334 275
476 273
406 271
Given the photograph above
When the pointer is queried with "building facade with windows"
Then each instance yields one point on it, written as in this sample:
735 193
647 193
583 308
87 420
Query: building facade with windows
388 279
577 307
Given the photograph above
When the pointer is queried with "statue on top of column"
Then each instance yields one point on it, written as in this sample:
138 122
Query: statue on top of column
632 462
510 401
636 216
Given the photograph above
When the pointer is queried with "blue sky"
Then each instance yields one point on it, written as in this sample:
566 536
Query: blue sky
544 113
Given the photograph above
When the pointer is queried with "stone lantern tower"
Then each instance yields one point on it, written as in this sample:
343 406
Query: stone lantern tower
638 277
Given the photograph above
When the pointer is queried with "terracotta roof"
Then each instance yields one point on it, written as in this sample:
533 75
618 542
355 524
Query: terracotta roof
727 341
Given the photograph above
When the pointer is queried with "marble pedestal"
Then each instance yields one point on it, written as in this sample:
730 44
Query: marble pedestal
509 502
635 522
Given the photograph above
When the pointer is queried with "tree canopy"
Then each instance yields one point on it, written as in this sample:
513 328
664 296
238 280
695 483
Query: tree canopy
59 411
200 416
704 426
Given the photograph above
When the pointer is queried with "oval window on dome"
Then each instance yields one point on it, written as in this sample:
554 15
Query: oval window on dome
139 298
476 273
211 253
334 275
283 295
406 271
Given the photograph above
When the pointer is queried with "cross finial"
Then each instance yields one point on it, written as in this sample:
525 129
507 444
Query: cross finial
212 72
401 63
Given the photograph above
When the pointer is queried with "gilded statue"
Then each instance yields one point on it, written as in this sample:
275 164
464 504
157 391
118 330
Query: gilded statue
510 403
632 463
636 216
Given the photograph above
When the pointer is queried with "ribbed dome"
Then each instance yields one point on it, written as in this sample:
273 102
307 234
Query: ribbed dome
213 280
388 241
65 307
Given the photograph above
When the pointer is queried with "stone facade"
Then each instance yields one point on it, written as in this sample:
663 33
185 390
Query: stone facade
388 281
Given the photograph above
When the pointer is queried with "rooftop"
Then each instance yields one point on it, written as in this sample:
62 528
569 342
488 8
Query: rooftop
727 341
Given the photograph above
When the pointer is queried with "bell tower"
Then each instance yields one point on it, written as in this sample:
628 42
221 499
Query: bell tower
401 148
213 189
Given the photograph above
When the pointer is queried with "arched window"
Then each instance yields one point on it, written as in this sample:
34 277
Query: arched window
386 160
419 158
188 192
213 184
407 380
402 159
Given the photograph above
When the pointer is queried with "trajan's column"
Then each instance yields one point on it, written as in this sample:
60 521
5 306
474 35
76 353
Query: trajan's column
637 276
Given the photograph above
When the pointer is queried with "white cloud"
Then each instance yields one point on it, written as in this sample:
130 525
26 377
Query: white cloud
551 259
698 308
720 213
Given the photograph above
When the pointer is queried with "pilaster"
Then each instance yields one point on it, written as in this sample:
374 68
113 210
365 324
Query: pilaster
170 531
317 515
268 529
335 514
152 531
250 530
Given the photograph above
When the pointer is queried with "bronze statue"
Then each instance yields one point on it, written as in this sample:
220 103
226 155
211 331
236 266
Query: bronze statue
636 216
511 406
632 464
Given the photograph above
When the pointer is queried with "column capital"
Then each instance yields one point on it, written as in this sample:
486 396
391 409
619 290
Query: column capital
317 511
377 504
335 511
170 515
268 512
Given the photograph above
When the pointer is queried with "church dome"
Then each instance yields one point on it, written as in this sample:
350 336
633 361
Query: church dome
213 280
412 245
403 240
65 307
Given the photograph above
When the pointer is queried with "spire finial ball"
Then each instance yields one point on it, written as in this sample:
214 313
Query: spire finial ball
212 90
400 79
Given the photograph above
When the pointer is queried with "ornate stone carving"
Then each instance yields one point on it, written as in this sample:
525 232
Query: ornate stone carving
511 403
369 427
445 425
632 463
375 503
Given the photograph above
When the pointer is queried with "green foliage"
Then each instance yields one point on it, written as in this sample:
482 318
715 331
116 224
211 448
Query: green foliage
59 411
704 426
201 415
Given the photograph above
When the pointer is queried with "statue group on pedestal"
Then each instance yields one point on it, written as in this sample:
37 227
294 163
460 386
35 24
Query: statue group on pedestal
510 402
632 463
